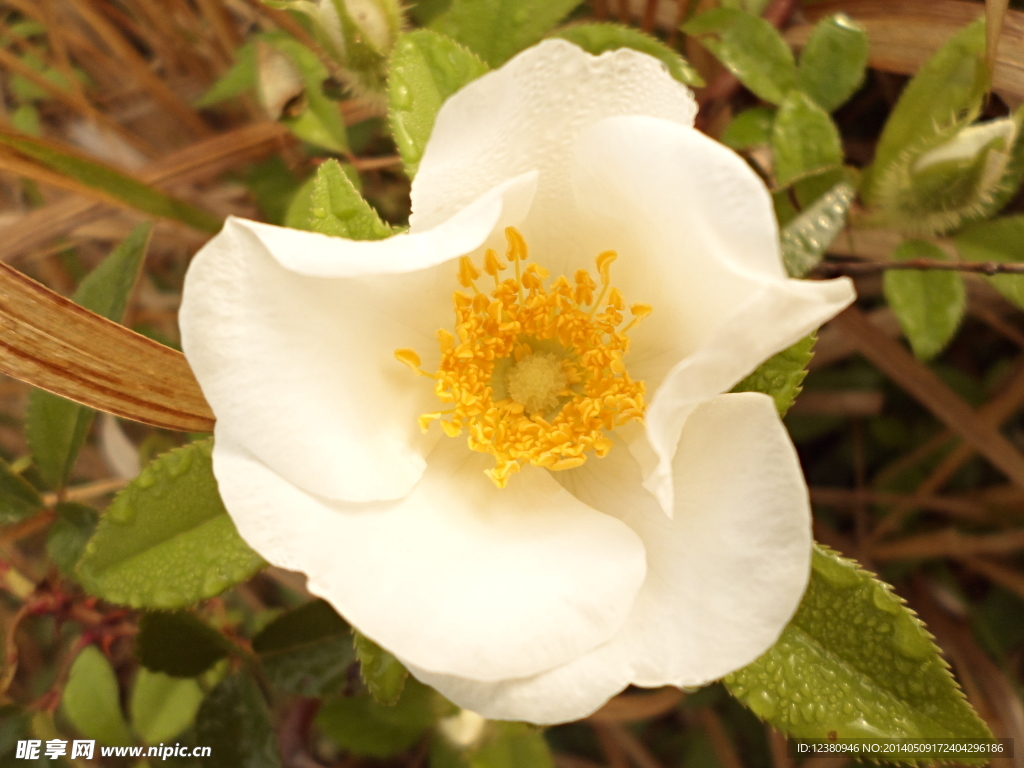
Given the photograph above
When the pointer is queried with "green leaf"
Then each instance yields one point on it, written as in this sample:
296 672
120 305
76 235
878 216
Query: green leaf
598 38
806 236
999 240
178 644
18 499
750 48
241 78
92 700
337 209
856 663
56 428
928 303
426 68
163 706
15 726
946 92
496 30
513 745
781 374
234 722
69 534
834 61
307 651
111 182
362 726
273 185
750 128
383 674
805 141
107 288
166 541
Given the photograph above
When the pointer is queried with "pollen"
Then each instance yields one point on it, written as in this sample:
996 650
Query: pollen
534 372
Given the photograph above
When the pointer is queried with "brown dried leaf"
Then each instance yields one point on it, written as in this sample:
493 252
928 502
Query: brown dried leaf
52 343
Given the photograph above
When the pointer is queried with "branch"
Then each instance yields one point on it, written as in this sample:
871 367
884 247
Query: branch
835 268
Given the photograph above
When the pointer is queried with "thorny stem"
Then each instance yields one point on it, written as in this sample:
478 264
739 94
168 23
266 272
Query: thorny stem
835 269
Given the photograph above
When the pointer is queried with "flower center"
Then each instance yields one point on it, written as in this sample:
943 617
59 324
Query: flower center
534 374
536 381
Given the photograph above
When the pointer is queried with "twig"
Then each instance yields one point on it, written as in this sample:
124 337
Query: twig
293 735
27 527
86 491
835 269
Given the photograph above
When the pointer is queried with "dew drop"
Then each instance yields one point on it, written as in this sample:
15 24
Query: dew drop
215 583
121 511
835 573
808 710
179 462
401 95
147 479
910 640
763 703
885 600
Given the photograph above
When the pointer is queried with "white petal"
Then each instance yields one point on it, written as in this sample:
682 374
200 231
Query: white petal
458 577
697 240
526 116
724 576
309 253
301 369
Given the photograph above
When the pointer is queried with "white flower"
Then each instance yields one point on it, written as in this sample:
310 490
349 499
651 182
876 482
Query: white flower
676 558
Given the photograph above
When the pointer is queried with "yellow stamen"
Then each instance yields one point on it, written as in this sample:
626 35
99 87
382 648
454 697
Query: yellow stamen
639 312
517 251
410 358
492 266
604 266
537 378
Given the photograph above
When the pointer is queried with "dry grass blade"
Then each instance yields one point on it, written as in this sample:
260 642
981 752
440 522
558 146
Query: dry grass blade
993 413
949 542
995 12
138 67
630 745
841 402
1009 578
52 343
613 750
984 682
719 737
904 33
628 707
850 497
203 160
892 359
70 99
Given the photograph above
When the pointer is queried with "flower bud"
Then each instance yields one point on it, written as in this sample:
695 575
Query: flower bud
963 174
